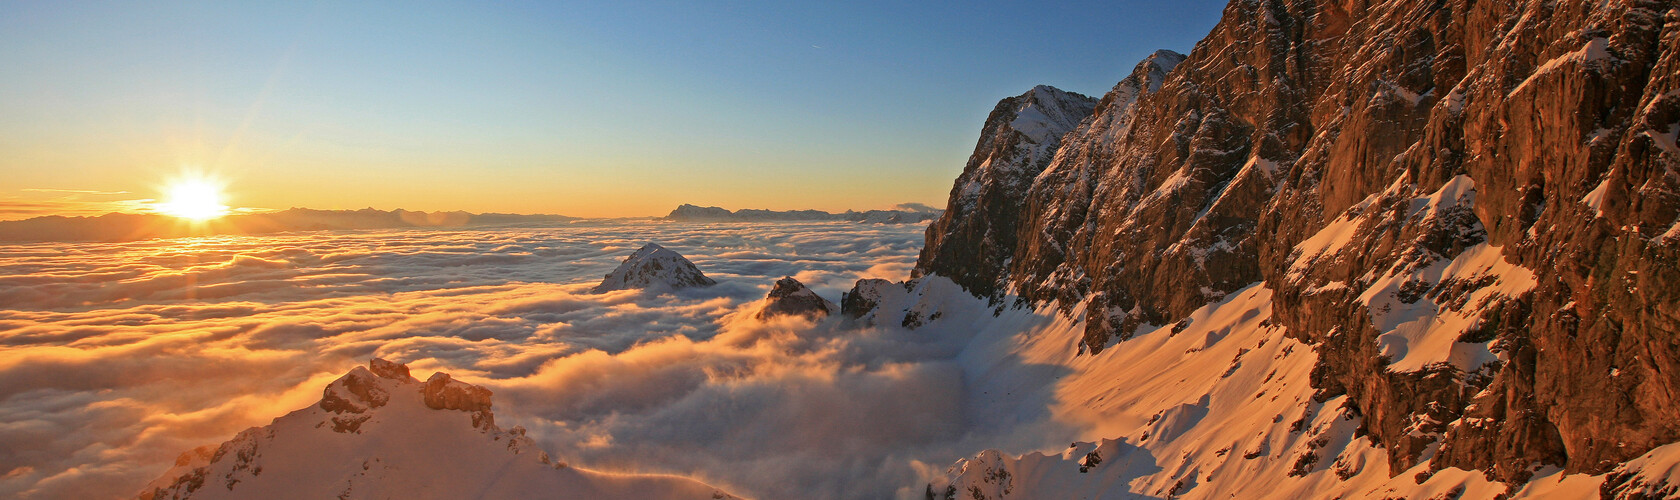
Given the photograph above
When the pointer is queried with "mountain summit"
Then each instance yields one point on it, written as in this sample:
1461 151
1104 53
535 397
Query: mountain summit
654 267
379 433
790 297
977 232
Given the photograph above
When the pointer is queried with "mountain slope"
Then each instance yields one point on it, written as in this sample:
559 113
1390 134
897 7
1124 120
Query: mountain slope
379 433
1470 210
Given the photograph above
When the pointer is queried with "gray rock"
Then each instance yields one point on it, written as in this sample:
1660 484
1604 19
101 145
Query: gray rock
790 297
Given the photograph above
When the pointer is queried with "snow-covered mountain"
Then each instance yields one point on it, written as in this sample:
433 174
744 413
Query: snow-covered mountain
379 433
1468 211
652 266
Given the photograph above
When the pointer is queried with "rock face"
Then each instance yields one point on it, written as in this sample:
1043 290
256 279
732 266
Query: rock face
1468 208
974 237
379 433
789 297
867 295
654 267
911 304
444 393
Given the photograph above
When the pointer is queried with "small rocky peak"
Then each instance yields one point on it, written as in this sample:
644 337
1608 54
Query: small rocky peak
865 296
790 297
1154 69
442 392
1044 113
654 267
1146 78
355 392
390 370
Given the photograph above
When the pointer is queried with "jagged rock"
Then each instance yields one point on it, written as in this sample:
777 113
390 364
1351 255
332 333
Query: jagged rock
1653 476
654 267
355 392
790 297
907 304
1469 208
387 369
865 296
443 393
872 298
976 235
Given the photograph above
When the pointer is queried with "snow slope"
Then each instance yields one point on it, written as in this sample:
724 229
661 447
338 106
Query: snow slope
379 433
1219 405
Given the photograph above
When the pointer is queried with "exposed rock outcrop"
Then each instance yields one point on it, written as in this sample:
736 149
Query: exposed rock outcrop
1470 209
789 297
444 393
910 304
654 267
867 295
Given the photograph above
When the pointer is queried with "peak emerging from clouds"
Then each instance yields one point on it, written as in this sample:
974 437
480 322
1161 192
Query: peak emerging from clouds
654 267
379 433
790 297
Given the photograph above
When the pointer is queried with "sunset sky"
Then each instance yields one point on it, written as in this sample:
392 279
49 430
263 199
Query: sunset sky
582 109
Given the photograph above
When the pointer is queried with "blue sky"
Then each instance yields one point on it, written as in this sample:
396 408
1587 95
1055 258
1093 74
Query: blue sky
592 109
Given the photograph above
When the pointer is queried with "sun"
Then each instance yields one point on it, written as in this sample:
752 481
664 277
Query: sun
198 199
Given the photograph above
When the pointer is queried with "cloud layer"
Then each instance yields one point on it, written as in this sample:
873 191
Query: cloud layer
119 356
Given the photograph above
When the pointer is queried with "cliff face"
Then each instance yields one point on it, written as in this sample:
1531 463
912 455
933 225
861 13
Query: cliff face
1469 208
971 241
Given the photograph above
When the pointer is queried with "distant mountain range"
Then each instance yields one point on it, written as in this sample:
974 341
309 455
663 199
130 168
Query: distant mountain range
115 227
903 214
131 227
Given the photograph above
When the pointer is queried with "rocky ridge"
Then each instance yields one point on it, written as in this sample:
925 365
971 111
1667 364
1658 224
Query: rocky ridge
1468 209
379 433
975 235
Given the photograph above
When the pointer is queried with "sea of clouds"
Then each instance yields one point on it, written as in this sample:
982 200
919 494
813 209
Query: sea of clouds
116 357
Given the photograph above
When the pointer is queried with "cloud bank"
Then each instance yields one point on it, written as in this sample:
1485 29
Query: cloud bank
118 356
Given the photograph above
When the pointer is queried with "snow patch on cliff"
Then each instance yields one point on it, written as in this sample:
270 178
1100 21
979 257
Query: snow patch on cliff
1420 331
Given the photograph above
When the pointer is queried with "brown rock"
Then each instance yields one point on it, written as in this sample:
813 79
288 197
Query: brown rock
790 297
443 393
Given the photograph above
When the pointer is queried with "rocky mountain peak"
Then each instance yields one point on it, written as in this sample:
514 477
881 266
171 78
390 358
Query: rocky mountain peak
654 267
976 234
790 297
379 433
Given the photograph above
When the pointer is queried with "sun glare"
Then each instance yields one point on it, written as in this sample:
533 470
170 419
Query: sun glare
193 198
